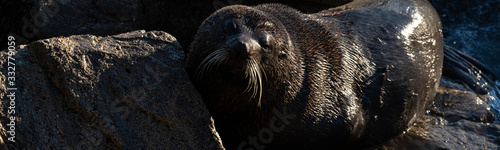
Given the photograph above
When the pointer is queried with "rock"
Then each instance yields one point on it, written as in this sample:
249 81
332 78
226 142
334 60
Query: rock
86 92
59 91
39 19
437 133
459 119
472 27
467 25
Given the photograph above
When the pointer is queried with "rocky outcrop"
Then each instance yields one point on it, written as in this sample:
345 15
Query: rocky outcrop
127 91
458 119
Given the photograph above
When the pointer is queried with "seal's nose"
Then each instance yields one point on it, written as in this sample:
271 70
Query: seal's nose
243 45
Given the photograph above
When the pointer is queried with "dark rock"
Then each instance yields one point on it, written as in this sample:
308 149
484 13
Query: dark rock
31 20
467 25
456 102
459 119
437 133
57 106
472 27
86 92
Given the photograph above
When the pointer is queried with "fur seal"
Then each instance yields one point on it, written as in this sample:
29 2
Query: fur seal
347 77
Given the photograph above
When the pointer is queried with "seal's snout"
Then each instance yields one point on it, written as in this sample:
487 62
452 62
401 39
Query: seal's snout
243 46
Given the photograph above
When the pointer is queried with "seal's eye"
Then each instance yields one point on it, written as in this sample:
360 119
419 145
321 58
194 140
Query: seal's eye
265 42
230 27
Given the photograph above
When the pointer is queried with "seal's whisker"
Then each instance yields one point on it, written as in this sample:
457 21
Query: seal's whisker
247 75
222 57
214 58
201 68
253 79
254 74
256 79
254 82
260 71
323 73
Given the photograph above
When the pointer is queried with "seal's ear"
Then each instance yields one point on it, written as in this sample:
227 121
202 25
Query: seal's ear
460 66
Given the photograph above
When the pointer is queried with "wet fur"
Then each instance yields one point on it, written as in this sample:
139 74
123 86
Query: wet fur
347 89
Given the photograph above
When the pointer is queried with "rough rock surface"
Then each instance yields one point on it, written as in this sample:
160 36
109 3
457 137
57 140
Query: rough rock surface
459 119
123 91
467 25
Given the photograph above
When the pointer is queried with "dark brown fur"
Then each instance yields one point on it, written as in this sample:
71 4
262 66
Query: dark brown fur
321 69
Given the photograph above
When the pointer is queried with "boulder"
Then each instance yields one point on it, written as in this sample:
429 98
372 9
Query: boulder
458 119
126 91
103 93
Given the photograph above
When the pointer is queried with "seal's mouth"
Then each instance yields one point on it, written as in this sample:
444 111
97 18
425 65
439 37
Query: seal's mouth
234 74
236 61
236 71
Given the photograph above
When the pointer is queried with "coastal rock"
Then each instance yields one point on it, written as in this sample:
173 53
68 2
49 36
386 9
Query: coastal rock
39 19
459 119
86 92
56 111
472 27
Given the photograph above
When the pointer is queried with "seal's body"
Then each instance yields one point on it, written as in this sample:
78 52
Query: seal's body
351 76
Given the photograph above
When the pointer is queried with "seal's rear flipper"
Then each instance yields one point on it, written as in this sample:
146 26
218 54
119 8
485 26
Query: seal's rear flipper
460 66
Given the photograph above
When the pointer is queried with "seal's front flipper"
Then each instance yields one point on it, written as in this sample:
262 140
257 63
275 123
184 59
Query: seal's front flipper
460 66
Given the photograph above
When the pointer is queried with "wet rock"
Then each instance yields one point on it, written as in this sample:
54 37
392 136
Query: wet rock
51 87
437 133
459 119
472 27
456 102
86 92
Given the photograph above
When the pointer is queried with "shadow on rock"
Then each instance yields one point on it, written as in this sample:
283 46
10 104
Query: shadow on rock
124 91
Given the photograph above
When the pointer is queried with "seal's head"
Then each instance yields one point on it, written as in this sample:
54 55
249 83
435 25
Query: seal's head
236 52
